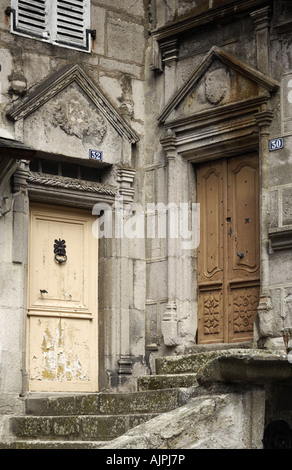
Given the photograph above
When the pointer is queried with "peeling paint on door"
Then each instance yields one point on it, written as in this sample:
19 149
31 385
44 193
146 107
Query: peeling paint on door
62 313
59 360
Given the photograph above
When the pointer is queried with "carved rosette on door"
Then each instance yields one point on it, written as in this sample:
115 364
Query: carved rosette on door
228 255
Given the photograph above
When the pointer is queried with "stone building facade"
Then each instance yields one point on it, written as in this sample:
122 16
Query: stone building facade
113 115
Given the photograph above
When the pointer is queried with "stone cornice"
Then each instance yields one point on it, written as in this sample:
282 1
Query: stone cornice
196 21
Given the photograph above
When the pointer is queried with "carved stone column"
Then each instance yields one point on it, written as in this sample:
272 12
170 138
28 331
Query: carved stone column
264 119
20 249
169 319
126 191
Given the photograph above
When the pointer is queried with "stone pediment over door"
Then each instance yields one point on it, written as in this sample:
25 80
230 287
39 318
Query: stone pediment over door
218 102
67 114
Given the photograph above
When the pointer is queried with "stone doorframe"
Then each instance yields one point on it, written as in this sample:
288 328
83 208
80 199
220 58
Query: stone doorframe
115 362
218 131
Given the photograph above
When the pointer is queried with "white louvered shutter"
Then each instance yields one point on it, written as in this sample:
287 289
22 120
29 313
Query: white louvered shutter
62 22
72 22
30 17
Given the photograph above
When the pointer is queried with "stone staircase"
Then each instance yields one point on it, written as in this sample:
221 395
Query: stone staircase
90 421
85 420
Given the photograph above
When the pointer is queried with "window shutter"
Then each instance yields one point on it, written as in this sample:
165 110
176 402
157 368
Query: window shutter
62 22
72 19
30 17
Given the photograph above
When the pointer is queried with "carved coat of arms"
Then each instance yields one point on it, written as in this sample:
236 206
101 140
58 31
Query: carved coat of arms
74 115
216 85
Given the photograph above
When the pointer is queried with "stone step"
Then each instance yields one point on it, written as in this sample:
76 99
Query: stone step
75 428
190 363
167 381
52 445
148 401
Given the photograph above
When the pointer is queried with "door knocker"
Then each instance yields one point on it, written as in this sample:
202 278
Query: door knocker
60 251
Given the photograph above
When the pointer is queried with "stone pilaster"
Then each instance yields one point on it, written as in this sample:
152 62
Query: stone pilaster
261 20
264 312
169 326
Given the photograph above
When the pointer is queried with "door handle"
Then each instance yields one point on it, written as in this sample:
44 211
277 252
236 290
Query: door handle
43 291
241 255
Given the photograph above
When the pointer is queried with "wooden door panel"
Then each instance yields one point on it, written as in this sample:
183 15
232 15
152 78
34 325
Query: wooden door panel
242 194
243 303
62 303
60 356
210 195
228 255
66 285
210 252
210 319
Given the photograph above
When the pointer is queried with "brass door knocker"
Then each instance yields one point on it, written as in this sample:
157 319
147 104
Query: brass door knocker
60 251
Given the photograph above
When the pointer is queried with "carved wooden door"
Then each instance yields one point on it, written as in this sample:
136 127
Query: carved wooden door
228 255
62 303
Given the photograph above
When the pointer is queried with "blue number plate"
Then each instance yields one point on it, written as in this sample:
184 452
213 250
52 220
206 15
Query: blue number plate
95 155
276 144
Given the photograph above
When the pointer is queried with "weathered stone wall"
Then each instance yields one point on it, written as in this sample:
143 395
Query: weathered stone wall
116 67
180 55
143 53
258 35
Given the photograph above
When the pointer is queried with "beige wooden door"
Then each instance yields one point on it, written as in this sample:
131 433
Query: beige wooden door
62 301
228 255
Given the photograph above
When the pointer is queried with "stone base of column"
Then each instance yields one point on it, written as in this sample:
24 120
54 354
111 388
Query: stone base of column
169 325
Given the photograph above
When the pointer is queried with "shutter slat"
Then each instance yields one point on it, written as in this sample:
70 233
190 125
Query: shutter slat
31 15
70 21
68 24
71 3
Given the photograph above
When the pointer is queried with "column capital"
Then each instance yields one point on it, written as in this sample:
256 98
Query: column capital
21 176
261 18
169 144
126 181
264 119
169 51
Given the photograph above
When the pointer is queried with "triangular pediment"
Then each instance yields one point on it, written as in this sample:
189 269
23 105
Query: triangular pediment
220 80
73 81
